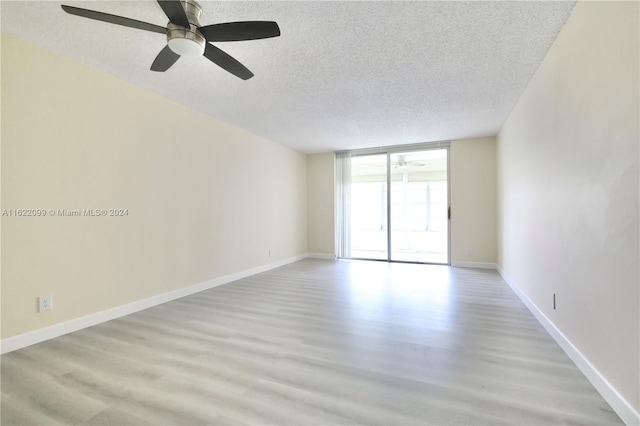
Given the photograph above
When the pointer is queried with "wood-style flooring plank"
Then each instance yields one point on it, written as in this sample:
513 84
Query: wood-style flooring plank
312 343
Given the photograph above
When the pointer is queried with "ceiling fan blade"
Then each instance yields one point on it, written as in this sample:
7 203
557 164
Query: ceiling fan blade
238 31
114 19
164 60
175 12
226 61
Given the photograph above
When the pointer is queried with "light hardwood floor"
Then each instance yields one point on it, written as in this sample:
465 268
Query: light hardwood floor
314 342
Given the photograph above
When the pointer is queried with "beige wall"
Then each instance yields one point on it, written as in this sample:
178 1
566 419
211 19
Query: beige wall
320 203
473 200
568 189
205 199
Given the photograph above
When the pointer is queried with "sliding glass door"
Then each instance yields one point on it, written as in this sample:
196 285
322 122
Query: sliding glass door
399 206
419 206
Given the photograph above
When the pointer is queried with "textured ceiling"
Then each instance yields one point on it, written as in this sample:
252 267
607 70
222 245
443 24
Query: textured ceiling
343 75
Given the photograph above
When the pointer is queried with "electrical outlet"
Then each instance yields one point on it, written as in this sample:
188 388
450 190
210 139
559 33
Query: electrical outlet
269 252
45 303
470 252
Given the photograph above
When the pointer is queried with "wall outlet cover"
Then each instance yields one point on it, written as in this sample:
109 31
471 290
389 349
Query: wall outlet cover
45 303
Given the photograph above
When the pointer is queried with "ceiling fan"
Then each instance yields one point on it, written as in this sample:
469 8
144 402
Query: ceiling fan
403 162
185 36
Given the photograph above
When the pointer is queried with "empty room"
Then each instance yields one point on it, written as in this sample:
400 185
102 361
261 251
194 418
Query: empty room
320 212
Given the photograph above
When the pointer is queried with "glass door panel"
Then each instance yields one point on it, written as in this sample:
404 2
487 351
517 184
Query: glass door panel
369 207
419 206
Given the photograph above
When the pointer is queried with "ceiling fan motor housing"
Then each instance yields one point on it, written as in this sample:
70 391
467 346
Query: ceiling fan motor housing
187 41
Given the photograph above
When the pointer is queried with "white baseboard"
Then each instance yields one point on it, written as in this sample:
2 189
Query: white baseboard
617 402
321 256
40 335
478 265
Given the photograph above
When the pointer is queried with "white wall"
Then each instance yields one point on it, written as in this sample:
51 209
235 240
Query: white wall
205 199
320 203
568 190
473 201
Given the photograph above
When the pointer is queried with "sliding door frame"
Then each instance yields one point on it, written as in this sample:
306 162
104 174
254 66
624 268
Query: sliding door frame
409 148
388 206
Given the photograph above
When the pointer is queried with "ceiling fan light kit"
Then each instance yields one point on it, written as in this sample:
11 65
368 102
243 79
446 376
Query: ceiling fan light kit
185 36
187 41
